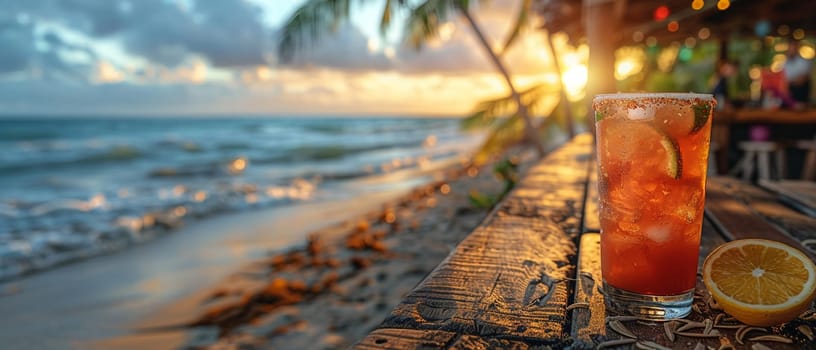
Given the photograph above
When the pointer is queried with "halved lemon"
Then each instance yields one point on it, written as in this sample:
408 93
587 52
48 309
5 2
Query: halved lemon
760 282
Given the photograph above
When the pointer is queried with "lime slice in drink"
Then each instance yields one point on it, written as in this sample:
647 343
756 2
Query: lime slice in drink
640 144
674 162
702 112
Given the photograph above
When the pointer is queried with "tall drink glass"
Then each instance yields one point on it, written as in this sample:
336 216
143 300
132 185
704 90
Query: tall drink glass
652 159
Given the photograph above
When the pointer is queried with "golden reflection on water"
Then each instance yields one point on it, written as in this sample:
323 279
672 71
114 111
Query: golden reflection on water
238 165
180 211
179 190
200 196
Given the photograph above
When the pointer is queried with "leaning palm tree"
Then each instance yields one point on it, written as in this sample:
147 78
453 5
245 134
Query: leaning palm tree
316 17
488 112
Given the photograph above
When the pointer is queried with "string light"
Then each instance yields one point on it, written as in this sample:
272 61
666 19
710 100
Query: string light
807 52
697 5
673 26
661 13
691 42
704 33
783 30
799 34
723 4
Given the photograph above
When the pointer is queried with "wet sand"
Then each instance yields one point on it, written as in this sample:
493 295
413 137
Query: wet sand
331 290
81 304
227 282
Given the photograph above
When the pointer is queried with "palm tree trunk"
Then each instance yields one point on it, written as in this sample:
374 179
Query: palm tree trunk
602 19
531 134
564 100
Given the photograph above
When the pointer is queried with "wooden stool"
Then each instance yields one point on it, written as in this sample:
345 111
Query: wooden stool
809 168
760 151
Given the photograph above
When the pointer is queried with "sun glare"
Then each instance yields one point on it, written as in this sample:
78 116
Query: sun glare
575 79
628 62
624 69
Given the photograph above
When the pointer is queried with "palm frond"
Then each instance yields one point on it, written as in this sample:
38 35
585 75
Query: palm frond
424 20
487 112
521 22
309 22
507 133
385 22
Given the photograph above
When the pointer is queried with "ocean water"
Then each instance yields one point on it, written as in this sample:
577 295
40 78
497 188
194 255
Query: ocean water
75 188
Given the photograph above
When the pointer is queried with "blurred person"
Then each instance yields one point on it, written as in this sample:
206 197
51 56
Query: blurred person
725 70
775 92
797 73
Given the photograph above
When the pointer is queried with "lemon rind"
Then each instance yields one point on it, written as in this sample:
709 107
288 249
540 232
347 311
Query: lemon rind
807 290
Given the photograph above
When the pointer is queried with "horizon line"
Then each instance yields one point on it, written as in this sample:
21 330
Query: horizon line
17 116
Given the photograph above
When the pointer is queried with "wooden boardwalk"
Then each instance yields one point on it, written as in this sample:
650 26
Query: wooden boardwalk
528 276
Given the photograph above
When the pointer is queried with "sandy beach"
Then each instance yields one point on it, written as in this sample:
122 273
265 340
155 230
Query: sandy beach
332 288
76 305
346 266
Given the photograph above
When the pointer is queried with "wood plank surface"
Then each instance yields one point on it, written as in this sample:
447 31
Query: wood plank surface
471 342
588 323
592 221
770 207
508 285
740 210
510 280
405 339
799 194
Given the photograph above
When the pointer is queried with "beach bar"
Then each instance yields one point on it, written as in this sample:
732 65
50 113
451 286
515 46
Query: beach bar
529 276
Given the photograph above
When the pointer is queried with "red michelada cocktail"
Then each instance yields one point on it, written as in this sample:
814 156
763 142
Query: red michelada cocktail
652 151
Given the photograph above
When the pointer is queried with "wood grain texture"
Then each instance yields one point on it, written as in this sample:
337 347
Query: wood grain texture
588 323
389 338
592 221
508 284
799 194
772 208
710 239
471 342
740 210
510 280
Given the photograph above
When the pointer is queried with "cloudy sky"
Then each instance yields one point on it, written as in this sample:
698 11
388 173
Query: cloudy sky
173 57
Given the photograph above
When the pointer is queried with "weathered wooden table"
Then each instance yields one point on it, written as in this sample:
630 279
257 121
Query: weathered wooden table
528 276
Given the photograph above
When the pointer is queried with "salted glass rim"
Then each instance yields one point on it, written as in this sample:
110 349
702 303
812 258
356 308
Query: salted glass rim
640 95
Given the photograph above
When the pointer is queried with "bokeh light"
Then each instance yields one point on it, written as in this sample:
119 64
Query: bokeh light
661 13
704 33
